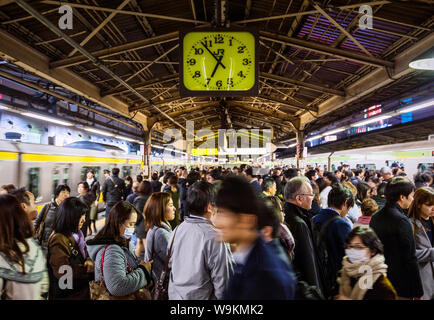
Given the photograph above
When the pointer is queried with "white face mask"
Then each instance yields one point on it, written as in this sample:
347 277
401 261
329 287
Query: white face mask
356 255
128 233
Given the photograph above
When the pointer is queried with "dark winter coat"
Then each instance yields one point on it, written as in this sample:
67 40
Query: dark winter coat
305 262
337 233
110 194
264 276
395 231
63 250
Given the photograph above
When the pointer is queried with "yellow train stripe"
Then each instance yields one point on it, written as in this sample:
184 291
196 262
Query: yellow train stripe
8 156
50 158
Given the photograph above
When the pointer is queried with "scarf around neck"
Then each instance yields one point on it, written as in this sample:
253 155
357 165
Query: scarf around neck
360 271
79 238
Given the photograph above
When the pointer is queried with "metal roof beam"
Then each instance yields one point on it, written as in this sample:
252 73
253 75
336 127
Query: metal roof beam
99 27
305 85
285 103
276 114
139 85
374 80
298 14
325 49
133 13
104 53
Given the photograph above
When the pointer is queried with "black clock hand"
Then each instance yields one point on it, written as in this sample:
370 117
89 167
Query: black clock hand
216 66
213 55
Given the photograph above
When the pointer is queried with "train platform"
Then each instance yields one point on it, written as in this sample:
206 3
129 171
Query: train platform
144 110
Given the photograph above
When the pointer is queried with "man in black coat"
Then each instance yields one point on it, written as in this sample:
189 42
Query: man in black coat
112 190
298 200
395 231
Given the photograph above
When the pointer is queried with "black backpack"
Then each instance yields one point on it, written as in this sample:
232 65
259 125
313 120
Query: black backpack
326 265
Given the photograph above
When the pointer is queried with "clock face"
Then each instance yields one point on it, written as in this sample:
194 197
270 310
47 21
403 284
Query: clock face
219 61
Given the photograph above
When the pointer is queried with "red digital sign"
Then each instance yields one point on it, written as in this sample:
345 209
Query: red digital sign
373 111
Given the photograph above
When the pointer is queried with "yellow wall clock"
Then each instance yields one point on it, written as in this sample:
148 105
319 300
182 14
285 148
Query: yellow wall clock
218 63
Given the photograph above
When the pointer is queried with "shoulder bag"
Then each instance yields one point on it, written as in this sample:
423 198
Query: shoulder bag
161 289
98 289
41 228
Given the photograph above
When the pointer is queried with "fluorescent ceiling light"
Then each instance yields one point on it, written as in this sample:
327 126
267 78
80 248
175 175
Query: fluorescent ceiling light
333 131
423 64
104 133
3 107
45 118
314 137
368 121
417 106
292 145
128 139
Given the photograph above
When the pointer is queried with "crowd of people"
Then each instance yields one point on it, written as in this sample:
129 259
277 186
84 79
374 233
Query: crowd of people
216 233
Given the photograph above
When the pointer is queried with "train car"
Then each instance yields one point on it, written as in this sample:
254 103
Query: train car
414 156
42 167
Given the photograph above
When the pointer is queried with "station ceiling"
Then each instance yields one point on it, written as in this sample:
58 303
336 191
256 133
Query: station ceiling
312 72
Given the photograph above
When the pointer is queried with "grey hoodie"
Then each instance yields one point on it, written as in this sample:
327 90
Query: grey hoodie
118 280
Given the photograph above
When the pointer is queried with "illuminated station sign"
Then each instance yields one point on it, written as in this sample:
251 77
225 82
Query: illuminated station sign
372 111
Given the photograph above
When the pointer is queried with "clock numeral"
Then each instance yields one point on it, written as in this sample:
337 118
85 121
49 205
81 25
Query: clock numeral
241 49
241 74
246 62
231 82
198 51
191 62
219 83
207 81
196 74
208 43
230 42
218 39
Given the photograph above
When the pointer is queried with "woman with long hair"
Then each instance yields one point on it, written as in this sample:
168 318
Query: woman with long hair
113 253
421 213
67 247
173 189
88 198
364 191
159 211
23 271
363 252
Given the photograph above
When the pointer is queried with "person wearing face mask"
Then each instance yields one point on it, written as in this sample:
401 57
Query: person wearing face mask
331 230
27 202
364 251
113 253
67 247
43 224
159 210
395 231
421 213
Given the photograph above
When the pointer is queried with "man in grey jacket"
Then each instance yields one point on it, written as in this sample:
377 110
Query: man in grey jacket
201 265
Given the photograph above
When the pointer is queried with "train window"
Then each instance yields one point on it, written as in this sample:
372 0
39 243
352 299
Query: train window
370 166
56 177
126 171
424 166
65 176
84 171
33 187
